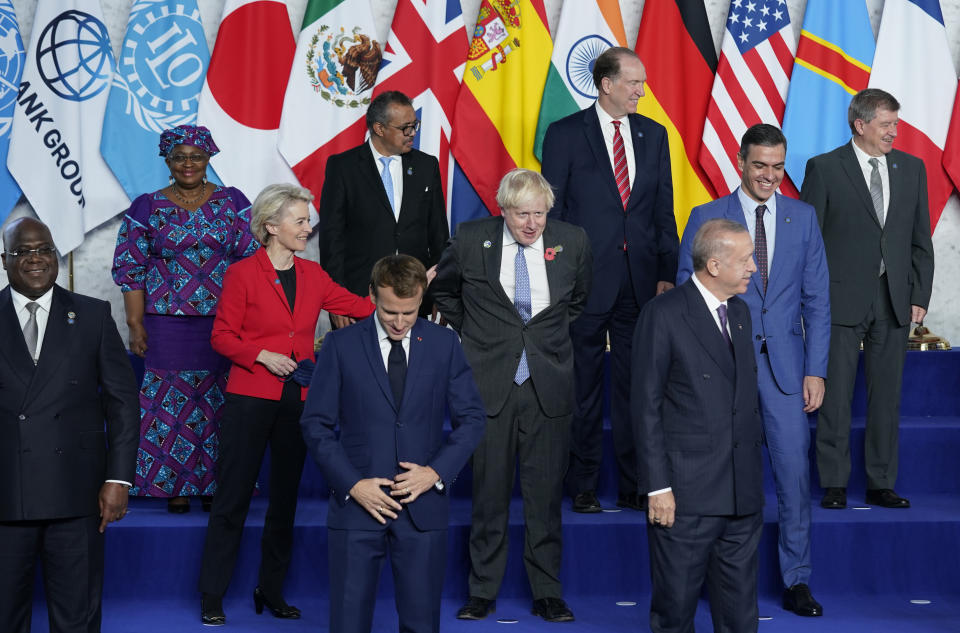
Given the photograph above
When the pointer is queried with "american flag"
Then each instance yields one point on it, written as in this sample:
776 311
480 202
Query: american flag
756 59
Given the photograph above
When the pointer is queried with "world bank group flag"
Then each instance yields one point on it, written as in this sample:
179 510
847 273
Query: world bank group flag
55 136
11 67
833 61
159 76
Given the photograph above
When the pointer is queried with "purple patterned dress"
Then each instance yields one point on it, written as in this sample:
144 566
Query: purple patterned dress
178 258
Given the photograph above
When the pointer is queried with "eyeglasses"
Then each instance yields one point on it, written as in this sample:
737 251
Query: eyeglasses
43 251
179 159
409 129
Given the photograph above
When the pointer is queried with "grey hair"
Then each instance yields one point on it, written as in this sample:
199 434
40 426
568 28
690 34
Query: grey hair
271 205
865 104
713 239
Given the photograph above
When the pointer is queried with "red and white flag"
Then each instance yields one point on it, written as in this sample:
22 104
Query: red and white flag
913 63
242 97
951 151
756 59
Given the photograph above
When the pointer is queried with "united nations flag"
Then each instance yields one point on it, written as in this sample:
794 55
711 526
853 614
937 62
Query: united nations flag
11 67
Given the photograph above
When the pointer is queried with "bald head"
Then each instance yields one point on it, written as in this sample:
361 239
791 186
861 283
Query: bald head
29 257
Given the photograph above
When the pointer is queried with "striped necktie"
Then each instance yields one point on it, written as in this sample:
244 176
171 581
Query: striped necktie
620 171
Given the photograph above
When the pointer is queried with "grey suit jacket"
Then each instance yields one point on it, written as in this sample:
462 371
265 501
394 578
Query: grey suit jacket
468 292
855 242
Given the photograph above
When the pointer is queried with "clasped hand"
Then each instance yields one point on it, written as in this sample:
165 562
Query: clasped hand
406 486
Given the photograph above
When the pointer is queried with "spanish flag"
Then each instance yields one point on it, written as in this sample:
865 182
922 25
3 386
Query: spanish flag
495 121
676 47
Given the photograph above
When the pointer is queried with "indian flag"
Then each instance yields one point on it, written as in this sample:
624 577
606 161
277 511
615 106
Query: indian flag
586 29
330 86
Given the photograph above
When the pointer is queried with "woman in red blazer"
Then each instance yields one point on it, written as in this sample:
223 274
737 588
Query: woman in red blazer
265 324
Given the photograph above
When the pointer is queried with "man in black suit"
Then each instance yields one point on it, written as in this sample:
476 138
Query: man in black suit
63 371
698 432
381 198
511 285
871 203
611 170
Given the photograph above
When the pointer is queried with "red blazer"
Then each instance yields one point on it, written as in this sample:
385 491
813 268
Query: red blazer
253 314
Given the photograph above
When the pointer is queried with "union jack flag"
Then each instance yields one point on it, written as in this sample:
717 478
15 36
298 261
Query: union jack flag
756 59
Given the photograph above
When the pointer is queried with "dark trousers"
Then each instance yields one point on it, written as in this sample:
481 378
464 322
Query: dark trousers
884 351
721 550
418 559
519 434
71 551
248 425
589 336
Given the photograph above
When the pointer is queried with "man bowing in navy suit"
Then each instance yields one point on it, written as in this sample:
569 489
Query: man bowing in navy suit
789 300
383 384
611 171
698 432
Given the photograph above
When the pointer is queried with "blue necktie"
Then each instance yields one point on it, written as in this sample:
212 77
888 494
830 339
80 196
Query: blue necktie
388 182
521 300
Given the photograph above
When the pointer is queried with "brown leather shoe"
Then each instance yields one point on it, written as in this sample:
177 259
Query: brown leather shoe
886 498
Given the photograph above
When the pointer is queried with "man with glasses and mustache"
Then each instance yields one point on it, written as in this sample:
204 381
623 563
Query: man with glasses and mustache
381 198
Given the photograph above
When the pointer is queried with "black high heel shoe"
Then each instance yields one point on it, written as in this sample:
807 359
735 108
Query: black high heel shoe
211 610
281 610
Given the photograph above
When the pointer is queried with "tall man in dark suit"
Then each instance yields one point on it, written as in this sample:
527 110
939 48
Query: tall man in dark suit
611 171
789 300
871 202
63 372
385 383
381 198
698 434
511 285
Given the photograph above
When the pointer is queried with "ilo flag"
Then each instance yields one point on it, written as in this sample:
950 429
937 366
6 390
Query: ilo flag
242 97
329 86
676 46
156 87
833 60
913 63
424 58
55 140
11 67
586 29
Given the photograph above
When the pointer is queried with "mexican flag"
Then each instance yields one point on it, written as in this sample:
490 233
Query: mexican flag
330 86
586 29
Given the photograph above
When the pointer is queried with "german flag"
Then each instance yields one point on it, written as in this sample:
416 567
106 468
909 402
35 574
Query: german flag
676 46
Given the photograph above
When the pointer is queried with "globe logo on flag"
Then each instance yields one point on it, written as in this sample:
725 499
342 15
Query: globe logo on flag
11 64
74 57
583 54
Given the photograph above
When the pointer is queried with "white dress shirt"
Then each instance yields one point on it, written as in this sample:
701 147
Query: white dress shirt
749 206
536 270
43 313
396 174
864 159
606 128
385 345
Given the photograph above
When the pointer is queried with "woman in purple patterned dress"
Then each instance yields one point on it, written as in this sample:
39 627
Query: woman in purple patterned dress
173 248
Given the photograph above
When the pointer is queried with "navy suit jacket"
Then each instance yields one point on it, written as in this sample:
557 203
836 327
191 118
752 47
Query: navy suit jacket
576 164
350 393
794 313
695 410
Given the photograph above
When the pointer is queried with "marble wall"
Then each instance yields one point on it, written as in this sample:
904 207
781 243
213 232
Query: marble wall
92 260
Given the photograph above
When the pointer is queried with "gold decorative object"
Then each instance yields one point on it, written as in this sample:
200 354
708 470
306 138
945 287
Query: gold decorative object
922 339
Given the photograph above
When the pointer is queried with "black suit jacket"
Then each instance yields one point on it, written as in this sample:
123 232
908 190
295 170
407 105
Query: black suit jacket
576 164
55 451
468 292
695 408
357 223
835 186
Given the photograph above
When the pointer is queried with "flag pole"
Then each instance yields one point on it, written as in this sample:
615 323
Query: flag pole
70 271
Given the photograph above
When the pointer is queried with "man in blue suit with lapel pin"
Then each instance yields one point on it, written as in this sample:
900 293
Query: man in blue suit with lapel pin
789 300
611 171
373 421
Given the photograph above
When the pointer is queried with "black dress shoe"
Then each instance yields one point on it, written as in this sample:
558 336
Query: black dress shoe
631 501
279 608
799 600
886 498
586 502
211 610
834 499
552 610
476 609
178 505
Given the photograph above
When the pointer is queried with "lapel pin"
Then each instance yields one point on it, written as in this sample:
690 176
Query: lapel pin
409 171
276 281
787 220
639 134
487 244
894 165
419 339
739 326
71 317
